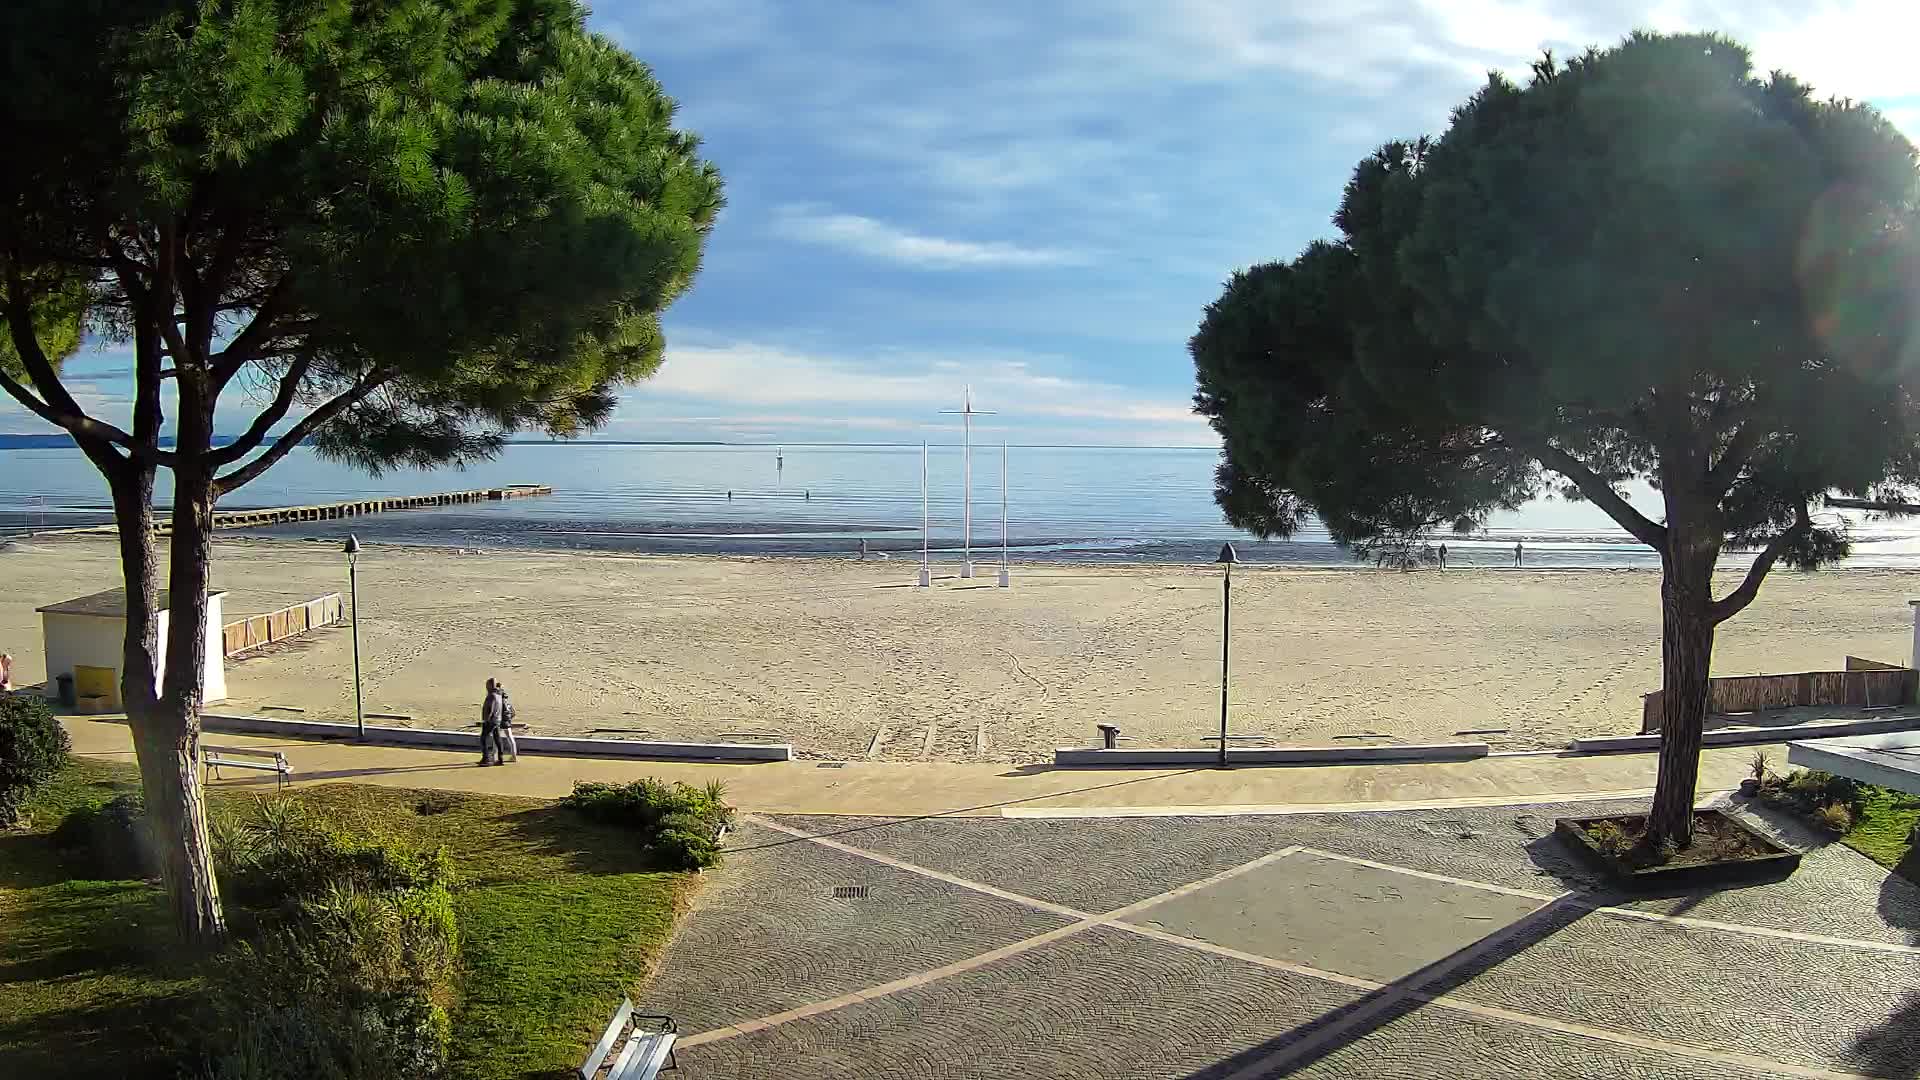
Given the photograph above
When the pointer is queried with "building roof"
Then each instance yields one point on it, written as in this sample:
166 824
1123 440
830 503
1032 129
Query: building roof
1890 760
111 604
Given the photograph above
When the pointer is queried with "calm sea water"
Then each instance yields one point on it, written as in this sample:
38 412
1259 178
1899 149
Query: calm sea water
1062 503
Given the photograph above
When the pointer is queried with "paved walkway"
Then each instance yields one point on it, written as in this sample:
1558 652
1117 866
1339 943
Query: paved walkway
1451 943
1400 921
982 789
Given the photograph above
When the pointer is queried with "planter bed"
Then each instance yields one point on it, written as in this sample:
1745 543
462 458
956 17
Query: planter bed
1723 849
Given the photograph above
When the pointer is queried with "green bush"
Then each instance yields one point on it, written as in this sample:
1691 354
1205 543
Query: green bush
1610 838
114 836
33 746
678 823
346 966
1835 818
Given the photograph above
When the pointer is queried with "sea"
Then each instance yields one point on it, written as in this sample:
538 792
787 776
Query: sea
1058 504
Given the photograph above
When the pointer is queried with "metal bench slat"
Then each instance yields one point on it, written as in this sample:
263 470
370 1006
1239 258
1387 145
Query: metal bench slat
620 1063
653 1047
592 1065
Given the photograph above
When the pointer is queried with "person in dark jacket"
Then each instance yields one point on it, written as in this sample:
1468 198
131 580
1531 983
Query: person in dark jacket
492 710
509 750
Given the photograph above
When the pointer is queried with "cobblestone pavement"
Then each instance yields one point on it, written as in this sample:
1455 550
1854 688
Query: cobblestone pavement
1445 943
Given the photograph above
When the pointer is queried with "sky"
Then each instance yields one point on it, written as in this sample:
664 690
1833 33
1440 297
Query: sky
1038 200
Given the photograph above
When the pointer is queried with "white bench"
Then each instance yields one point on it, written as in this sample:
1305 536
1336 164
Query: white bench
647 1049
239 757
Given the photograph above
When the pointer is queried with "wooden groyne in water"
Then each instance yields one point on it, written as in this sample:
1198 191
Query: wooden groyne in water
274 515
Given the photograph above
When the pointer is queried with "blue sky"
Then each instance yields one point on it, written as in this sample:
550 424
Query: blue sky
1039 199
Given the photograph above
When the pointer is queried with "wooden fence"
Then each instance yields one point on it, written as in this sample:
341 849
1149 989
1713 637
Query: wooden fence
258 630
1867 683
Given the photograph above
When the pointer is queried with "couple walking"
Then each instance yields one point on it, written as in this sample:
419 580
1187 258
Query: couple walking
496 726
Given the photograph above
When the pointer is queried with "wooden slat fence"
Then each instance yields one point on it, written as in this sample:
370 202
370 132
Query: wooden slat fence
257 630
1865 682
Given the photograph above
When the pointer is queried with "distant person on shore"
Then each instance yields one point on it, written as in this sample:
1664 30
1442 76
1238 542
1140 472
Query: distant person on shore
863 549
6 672
490 712
1519 556
729 496
509 750
1443 556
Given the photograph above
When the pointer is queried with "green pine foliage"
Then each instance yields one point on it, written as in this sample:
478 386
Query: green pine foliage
1647 263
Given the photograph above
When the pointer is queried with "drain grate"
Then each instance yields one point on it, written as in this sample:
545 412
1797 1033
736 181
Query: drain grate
831 765
850 892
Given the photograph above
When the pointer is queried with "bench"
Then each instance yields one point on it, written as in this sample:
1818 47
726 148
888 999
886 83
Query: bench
646 1047
239 757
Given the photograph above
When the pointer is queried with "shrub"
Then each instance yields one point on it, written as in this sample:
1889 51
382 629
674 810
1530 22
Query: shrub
1758 766
677 822
33 746
114 835
1834 817
1610 838
347 971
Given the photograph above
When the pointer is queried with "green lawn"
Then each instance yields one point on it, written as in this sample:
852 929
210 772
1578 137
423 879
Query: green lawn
557 917
1881 832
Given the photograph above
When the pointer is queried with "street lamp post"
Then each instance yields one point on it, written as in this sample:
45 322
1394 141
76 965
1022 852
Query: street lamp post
353 594
1227 558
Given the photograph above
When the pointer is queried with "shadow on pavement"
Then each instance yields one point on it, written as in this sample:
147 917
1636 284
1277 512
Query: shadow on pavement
1892 1047
1325 1035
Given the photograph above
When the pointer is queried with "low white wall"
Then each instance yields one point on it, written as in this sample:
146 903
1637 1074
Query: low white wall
528 744
1147 757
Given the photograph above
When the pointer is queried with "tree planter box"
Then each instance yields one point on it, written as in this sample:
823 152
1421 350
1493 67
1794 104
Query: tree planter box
1755 857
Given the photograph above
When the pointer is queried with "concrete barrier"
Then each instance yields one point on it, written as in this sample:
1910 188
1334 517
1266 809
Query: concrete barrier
1149 757
1741 736
470 740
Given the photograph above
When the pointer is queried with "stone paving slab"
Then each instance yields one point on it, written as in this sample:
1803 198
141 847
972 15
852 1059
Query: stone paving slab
766 933
1099 1005
1336 916
1782 1000
1093 865
1430 1043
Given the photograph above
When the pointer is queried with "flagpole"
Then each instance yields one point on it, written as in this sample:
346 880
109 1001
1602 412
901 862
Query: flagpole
966 513
1004 582
926 522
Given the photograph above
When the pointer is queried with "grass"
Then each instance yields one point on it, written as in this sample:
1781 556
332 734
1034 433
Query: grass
558 917
1880 833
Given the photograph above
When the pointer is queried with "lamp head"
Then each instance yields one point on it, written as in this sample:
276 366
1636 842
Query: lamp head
352 547
1228 555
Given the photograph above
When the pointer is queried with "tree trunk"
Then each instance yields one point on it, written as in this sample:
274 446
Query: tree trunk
1686 658
176 807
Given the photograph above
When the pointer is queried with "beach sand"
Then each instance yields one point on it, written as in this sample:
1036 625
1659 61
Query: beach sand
842 656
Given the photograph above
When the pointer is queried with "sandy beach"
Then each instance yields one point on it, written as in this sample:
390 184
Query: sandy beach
843 656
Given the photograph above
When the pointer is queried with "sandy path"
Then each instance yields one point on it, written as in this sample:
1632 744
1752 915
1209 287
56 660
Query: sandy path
830 653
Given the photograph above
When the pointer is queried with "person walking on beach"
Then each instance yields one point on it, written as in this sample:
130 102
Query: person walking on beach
863 549
490 712
1443 556
508 749
1519 557
6 672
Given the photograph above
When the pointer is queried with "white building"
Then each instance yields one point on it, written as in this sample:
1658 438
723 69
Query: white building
84 638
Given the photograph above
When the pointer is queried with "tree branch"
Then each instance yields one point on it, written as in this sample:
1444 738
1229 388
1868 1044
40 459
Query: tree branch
275 412
296 434
260 329
53 404
1599 492
1736 601
1739 450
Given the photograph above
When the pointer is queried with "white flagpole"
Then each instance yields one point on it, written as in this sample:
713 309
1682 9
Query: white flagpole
1004 582
966 518
926 522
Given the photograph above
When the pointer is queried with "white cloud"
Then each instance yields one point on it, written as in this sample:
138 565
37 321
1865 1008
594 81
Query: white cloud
877 239
900 390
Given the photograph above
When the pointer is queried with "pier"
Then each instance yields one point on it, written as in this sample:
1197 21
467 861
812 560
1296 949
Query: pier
275 515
